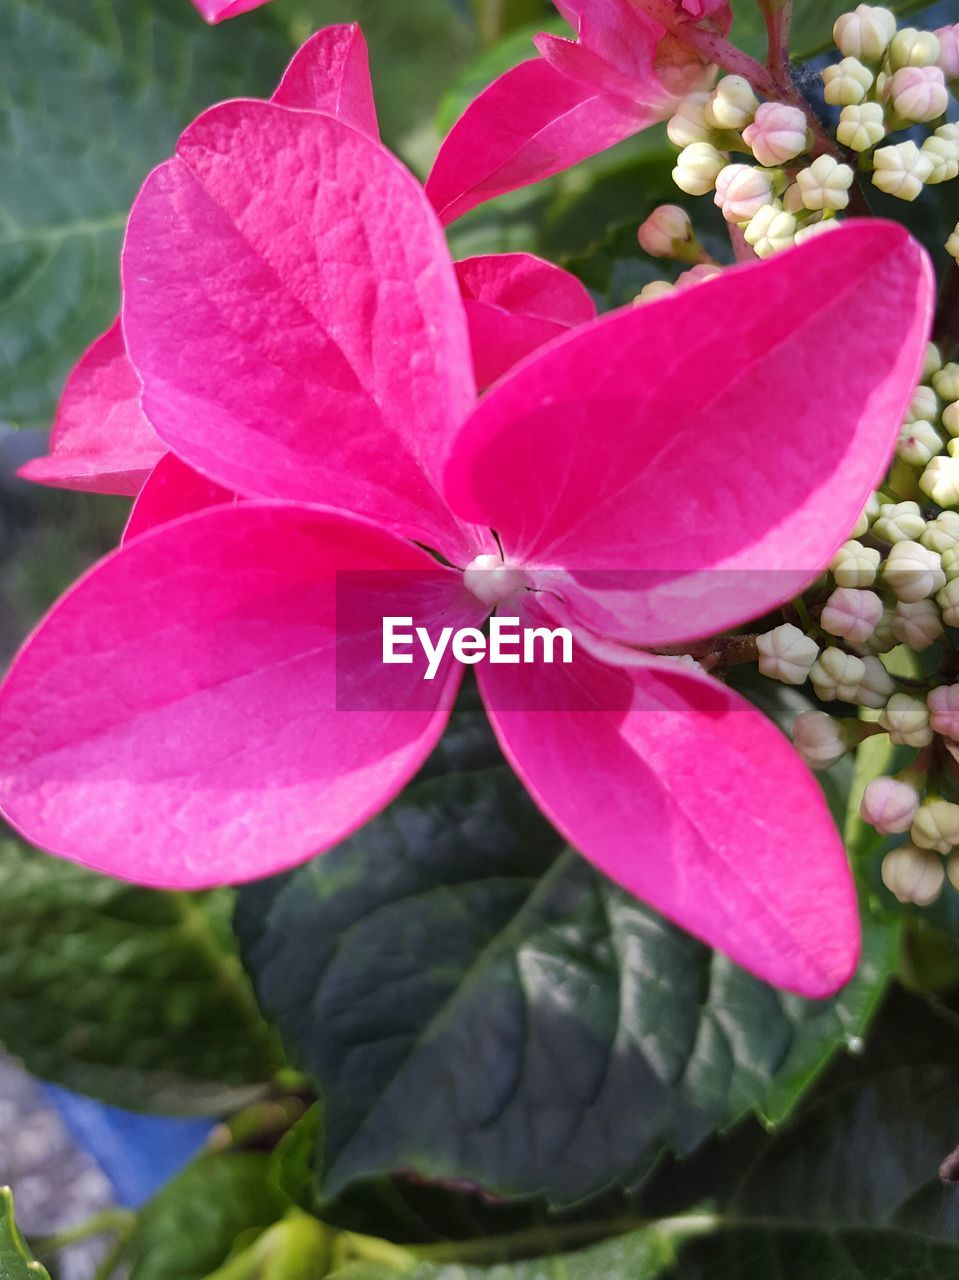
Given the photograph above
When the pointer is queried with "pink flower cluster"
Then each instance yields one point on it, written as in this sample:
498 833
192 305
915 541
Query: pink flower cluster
291 391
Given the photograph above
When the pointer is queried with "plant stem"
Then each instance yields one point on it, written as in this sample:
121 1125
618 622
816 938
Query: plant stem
778 16
119 1221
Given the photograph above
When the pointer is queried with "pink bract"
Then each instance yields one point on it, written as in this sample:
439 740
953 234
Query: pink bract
219 10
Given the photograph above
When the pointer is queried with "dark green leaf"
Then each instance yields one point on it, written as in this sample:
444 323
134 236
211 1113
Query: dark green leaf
475 1002
16 1262
127 994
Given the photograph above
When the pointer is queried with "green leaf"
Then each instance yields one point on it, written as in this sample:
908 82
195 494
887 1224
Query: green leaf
16 1262
218 1203
811 29
475 1002
131 995
508 52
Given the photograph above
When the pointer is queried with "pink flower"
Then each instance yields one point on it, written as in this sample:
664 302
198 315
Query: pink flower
209 703
219 10
102 442
620 75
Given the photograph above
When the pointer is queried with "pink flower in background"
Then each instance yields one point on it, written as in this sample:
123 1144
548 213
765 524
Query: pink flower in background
203 707
621 74
219 10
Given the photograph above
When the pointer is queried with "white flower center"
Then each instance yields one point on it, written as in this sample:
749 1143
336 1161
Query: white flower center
491 581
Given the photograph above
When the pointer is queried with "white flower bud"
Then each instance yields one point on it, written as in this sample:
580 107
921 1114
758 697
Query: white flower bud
913 572
821 739
924 404
876 686
889 805
912 48
936 826
943 704
918 442
901 170
950 418
786 654
861 126
732 103
778 133
697 168
688 122
942 533
913 875
918 94
855 565
947 599
741 191
815 229
825 184
899 522
943 154
792 199
665 231
866 517
948 60
950 558
916 625
699 274
946 381
770 230
940 481
837 675
952 244
949 131
655 289
933 361
846 83
852 614
906 720
865 33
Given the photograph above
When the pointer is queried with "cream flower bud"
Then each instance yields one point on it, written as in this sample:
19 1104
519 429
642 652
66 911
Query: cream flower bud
899 522
906 720
861 126
924 404
918 443
825 184
913 875
792 199
952 244
882 639
786 654
943 154
741 191
866 517
942 534
655 289
732 103
940 481
918 93
947 599
916 625
688 122
816 228
901 170
889 805
943 705
821 739
950 558
933 361
946 381
852 614
936 825
770 230
846 83
665 231
836 674
912 48
876 686
948 60
913 572
697 168
778 133
855 565
949 131
697 275
950 418
865 33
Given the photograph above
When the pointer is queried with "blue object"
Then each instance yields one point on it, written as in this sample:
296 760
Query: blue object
138 1153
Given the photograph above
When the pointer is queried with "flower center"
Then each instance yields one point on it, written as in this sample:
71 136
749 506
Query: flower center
492 581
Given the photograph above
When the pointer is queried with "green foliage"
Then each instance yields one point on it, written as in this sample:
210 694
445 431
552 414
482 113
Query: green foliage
130 995
16 1262
812 24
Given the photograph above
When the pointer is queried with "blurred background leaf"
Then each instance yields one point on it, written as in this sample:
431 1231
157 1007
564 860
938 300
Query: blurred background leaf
16 1262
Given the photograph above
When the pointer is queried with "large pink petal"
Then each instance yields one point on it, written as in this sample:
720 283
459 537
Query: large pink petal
515 302
676 468
209 704
532 122
172 490
331 73
291 307
686 796
101 442
219 10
